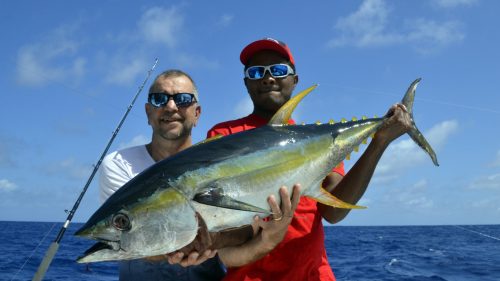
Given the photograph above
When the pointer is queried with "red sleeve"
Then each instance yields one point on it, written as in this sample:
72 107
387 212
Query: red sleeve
217 131
339 169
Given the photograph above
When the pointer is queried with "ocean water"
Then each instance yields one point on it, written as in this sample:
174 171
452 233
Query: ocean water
355 253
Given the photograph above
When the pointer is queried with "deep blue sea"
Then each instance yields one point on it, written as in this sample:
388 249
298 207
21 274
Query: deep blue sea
469 252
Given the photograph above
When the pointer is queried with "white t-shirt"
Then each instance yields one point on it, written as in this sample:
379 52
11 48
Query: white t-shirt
120 166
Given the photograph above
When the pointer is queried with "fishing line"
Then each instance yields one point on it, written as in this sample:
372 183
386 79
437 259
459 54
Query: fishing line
33 252
477 232
476 108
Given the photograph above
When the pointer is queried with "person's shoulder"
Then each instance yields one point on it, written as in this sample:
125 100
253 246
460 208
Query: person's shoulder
125 153
227 127
231 123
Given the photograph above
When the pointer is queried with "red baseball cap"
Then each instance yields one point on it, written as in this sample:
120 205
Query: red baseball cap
265 44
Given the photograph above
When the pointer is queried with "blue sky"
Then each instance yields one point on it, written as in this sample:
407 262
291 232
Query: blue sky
70 69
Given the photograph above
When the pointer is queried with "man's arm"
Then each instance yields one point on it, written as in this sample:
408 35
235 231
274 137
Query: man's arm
352 187
244 246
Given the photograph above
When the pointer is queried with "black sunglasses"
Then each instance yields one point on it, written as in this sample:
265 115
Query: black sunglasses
180 99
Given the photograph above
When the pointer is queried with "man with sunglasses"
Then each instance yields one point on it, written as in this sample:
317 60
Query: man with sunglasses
295 250
172 110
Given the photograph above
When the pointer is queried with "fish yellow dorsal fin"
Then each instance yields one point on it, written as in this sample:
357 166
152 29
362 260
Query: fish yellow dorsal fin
285 112
210 139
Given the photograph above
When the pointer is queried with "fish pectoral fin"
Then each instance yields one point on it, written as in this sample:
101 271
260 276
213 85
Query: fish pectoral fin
325 197
285 112
214 197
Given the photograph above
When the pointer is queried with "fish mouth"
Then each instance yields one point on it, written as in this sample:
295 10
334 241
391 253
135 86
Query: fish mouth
102 251
97 249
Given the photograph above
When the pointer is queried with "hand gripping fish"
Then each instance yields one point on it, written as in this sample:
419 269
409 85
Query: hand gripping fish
226 181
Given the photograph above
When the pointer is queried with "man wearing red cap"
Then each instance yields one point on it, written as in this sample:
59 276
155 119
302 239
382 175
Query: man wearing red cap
293 249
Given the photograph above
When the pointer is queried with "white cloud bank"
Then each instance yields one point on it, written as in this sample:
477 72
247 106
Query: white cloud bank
161 25
406 154
491 182
6 185
158 31
53 59
369 27
70 168
454 3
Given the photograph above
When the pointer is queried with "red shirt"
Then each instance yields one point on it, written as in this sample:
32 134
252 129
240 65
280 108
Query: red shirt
301 255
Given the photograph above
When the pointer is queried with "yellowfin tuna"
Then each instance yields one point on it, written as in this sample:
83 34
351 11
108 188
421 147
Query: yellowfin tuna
226 180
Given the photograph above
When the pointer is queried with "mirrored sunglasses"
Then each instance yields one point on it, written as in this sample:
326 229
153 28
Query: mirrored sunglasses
180 99
279 70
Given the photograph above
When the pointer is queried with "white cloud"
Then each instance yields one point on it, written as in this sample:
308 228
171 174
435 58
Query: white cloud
491 182
496 162
225 20
420 202
368 27
137 140
55 58
439 134
405 154
428 34
454 3
157 29
6 185
160 25
70 168
413 197
365 27
488 204
194 61
124 71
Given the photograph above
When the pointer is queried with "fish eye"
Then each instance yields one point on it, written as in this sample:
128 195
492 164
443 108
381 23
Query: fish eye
121 222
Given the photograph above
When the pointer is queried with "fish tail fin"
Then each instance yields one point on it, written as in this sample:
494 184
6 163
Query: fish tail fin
323 196
414 132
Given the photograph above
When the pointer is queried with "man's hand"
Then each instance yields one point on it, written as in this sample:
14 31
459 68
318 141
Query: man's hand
398 122
269 232
273 230
194 258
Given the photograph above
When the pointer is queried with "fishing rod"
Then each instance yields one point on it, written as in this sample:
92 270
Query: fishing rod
51 252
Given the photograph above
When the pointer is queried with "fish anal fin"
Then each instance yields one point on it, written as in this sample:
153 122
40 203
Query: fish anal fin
285 112
327 198
214 197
